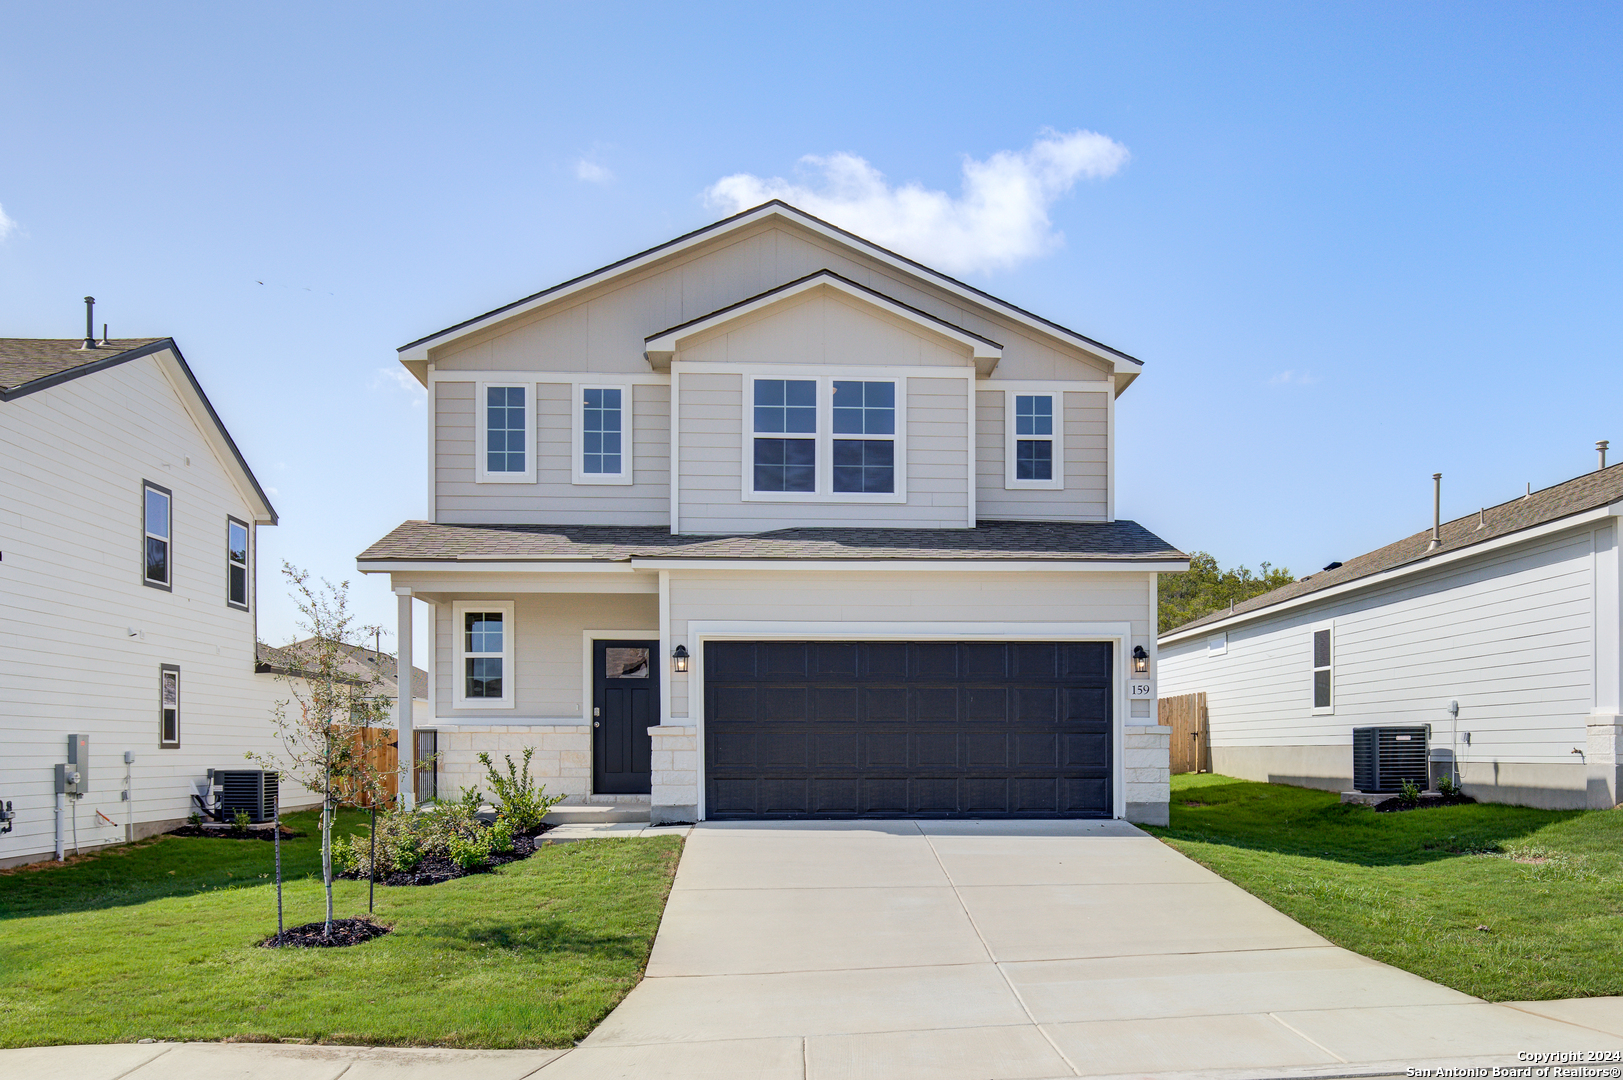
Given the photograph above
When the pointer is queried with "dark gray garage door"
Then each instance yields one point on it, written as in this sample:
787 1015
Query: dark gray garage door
894 729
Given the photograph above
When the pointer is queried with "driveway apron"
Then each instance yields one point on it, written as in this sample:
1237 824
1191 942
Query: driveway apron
1015 949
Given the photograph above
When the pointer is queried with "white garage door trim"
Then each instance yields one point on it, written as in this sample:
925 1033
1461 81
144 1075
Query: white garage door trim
1119 634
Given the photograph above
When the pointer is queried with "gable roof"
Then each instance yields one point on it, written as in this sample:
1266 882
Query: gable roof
662 346
1045 541
417 351
1591 491
29 365
361 663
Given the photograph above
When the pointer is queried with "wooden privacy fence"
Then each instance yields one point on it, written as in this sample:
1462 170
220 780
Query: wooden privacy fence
1191 746
377 747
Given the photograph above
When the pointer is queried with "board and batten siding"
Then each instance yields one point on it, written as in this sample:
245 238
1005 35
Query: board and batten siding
72 461
548 680
1086 495
1508 634
711 462
553 499
603 328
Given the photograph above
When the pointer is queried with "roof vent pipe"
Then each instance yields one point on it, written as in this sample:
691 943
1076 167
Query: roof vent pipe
1436 511
90 322
1600 448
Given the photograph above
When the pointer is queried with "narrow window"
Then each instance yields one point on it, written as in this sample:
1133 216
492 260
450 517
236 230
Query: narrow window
236 563
505 423
866 462
785 407
1322 668
600 431
168 706
1034 433
482 654
158 519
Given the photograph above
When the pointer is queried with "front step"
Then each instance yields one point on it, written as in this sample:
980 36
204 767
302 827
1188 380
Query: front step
590 815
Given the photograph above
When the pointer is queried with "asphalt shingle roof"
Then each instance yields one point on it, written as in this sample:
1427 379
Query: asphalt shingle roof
1121 541
1586 492
359 662
26 360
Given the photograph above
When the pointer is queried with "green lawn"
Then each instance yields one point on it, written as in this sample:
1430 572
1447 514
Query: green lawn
1412 889
158 940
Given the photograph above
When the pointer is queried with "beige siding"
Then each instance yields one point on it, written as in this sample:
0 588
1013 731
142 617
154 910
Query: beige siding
712 418
825 327
72 459
1085 496
553 499
604 328
549 678
920 600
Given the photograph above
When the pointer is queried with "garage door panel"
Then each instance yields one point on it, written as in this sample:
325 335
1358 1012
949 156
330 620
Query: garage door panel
891 729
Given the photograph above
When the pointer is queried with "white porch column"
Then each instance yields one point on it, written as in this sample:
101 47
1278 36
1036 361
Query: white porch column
404 735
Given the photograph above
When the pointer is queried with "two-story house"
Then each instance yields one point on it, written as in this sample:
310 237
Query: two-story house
128 525
769 521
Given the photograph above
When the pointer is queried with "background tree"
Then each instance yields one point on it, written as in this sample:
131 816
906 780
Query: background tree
1207 587
324 722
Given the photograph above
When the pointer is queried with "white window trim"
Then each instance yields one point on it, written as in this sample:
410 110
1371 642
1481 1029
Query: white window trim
169 541
577 445
481 410
824 491
459 684
1218 644
1312 630
247 567
1010 439
163 670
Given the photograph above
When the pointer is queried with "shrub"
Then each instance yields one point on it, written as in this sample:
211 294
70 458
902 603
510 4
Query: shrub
1446 785
522 800
472 799
194 818
407 854
240 821
1409 794
469 852
501 836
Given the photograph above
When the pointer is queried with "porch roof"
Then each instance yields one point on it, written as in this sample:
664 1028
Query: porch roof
1044 541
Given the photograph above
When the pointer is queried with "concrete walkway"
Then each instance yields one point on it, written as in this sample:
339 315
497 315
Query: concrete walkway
956 951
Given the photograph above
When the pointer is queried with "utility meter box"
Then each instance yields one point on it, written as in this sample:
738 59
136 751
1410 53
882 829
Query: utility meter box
74 777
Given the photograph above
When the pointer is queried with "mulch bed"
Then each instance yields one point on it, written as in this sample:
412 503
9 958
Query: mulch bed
310 935
1395 804
435 869
232 834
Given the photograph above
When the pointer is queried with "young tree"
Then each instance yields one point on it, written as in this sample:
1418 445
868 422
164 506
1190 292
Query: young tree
332 703
1206 587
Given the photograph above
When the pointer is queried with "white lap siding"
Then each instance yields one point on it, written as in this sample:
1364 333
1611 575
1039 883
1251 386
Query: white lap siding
1086 474
1509 635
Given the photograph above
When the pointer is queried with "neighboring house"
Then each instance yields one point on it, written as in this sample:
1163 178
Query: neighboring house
1514 614
127 593
361 665
769 521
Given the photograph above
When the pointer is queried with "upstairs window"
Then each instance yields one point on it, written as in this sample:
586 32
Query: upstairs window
504 434
157 523
602 435
1033 446
1323 668
236 563
833 440
484 654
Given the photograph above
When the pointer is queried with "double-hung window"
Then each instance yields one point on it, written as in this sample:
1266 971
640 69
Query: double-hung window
505 453
168 706
602 447
484 650
1323 668
824 439
1033 447
236 563
157 523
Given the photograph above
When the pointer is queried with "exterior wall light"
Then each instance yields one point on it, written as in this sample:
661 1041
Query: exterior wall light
1141 660
679 659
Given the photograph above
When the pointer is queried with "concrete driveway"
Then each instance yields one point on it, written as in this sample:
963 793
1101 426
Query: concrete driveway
1016 949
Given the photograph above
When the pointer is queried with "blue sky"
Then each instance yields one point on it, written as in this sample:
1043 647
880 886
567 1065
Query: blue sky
1354 244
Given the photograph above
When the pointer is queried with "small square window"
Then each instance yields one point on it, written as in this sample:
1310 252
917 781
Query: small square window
785 465
786 405
864 465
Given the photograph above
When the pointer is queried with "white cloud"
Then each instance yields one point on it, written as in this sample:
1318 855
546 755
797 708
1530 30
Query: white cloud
7 225
1293 378
394 378
592 172
998 220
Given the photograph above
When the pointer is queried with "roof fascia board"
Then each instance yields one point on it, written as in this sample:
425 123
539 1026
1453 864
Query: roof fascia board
45 382
179 374
664 344
416 352
1533 532
543 565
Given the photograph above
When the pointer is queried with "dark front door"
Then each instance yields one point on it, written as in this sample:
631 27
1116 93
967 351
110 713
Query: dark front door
625 703
907 729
